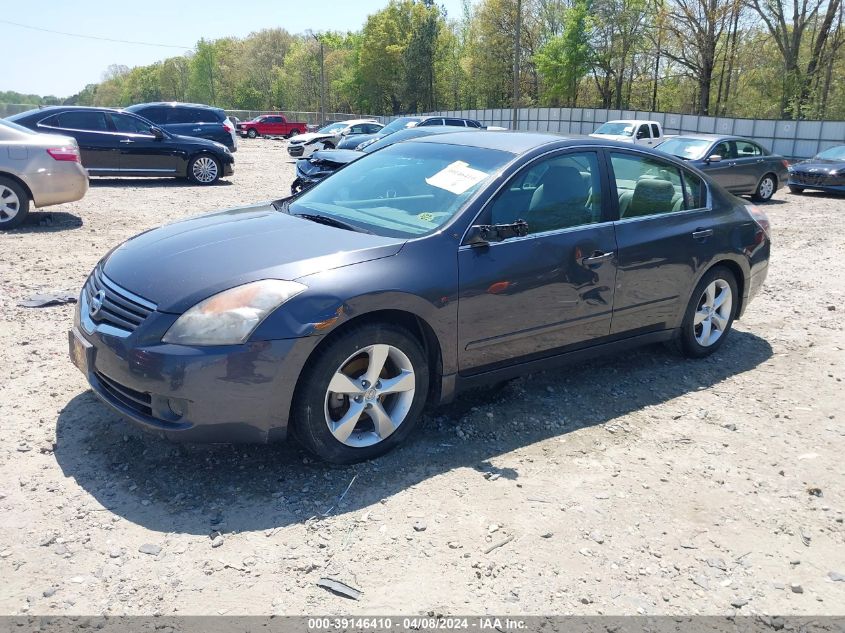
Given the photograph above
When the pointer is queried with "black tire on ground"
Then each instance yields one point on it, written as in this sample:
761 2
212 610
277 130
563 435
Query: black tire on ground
203 172
309 411
766 188
252 132
14 204
328 145
687 342
796 189
292 133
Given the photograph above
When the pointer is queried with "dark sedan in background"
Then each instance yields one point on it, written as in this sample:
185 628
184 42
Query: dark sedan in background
741 166
118 143
190 119
323 163
339 313
824 172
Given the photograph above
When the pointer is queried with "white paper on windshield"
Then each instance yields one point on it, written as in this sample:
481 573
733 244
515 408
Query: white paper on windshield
456 177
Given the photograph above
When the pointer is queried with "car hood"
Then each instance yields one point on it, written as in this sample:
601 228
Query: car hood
622 138
178 265
354 140
337 156
308 136
818 165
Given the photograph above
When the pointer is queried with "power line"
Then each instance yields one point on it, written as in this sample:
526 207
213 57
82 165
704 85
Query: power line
93 37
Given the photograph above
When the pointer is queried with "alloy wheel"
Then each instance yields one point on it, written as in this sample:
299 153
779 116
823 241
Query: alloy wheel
10 204
204 169
713 314
767 188
369 395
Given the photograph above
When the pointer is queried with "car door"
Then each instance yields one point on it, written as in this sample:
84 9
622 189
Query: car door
722 171
665 233
140 150
644 135
99 148
552 289
749 167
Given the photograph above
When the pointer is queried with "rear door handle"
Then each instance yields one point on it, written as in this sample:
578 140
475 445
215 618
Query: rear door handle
597 258
197 129
700 234
127 140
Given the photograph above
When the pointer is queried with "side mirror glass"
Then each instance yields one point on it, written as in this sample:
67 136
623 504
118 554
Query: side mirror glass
156 131
715 158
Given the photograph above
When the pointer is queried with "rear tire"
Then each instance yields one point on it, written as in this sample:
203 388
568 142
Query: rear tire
204 169
765 188
14 204
710 314
339 416
796 189
292 133
252 133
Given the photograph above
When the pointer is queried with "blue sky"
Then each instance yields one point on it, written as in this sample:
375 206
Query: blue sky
46 63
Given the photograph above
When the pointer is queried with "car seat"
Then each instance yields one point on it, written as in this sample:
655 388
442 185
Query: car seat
559 201
650 196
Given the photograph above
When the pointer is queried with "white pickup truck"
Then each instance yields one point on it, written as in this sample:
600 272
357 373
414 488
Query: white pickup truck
631 131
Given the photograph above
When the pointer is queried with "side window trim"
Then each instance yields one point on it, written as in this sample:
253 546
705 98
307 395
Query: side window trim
708 200
603 181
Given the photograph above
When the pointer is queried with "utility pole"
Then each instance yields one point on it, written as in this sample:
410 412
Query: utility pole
322 83
516 56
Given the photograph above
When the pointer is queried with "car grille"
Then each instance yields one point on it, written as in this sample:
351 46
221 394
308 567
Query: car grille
120 308
135 400
296 150
806 178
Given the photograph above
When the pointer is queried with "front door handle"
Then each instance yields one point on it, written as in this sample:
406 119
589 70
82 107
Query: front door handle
197 129
597 258
700 234
127 140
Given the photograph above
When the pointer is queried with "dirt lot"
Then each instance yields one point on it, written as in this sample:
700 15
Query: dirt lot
642 484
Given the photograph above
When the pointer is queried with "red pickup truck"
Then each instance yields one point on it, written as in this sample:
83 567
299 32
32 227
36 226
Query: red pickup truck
270 125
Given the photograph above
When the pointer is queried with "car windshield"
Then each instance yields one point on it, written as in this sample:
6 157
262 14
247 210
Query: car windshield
334 127
616 128
688 148
398 124
405 190
16 127
834 153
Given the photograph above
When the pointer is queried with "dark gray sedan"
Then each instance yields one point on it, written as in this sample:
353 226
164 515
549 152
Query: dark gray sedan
743 167
425 268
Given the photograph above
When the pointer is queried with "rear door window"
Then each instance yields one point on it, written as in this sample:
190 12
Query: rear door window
647 186
655 131
155 114
203 115
747 149
459 122
92 121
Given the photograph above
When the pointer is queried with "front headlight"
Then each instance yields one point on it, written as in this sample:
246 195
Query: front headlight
231 316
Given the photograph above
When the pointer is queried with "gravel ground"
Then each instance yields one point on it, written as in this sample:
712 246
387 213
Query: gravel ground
642 484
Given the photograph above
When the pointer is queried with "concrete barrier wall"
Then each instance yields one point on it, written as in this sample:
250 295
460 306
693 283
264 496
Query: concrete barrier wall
793 139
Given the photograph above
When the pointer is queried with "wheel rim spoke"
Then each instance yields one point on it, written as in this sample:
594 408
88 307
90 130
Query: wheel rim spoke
383 423
405 381
719 321
699 317
378 357
343 428
710 295
705 332
343 384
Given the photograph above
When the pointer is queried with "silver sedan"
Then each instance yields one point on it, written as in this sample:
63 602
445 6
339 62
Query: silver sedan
38 170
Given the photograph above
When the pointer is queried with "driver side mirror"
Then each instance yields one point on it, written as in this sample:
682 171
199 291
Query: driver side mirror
714 158
483 234
157 133
345 132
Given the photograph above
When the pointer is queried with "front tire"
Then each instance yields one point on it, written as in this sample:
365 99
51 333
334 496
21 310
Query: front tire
361 395
204 169
14 204
765 188
796 189
710 314
252 133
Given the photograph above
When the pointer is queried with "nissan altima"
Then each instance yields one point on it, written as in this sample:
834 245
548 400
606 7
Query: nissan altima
422 269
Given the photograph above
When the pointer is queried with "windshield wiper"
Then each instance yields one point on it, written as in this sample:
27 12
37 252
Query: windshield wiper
330 221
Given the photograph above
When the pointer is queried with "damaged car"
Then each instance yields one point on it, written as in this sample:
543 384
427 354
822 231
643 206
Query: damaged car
329 136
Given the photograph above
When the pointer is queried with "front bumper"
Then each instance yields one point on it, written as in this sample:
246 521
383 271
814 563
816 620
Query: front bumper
297 151
231 393
228 168
819 184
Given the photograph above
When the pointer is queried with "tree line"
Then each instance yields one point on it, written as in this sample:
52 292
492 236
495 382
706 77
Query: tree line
742 58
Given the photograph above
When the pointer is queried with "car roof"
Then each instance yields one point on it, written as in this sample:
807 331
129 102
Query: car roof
354 121
710 137
504 141
173 104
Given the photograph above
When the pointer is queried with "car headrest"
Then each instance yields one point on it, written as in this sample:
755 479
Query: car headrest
651 195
